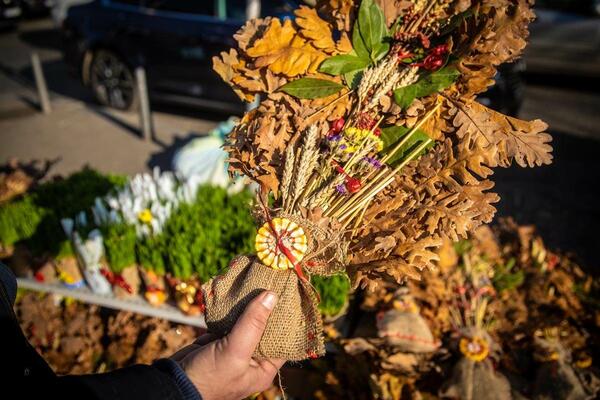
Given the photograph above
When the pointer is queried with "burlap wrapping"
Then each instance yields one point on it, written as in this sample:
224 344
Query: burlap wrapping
472 380
477 380
295 330
407 331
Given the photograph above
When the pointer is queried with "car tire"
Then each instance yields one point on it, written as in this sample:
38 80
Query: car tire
113 81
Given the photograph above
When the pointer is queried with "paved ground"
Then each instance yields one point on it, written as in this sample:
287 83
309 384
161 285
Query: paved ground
77 132
559 199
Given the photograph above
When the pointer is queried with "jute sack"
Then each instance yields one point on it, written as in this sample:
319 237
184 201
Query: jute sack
472 380
294 330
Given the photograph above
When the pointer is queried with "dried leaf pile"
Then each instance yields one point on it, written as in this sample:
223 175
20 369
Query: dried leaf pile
76 338
542 318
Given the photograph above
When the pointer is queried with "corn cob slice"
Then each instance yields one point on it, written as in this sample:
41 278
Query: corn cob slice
291 236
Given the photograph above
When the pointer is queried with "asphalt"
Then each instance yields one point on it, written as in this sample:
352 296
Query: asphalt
559 199
78 132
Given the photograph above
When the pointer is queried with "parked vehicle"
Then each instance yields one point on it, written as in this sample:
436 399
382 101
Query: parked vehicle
174 40
36 7
59 9
565 38
10 11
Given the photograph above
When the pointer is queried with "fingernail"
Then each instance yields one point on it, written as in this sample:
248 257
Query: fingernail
269 300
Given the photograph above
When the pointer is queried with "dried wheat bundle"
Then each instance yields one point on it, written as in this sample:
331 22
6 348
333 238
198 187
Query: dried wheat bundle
370 140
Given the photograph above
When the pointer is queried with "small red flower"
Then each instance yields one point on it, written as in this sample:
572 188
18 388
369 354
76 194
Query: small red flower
377 132
364 121
432 62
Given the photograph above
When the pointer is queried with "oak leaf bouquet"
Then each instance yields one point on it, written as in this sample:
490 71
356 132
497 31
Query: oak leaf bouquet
369 147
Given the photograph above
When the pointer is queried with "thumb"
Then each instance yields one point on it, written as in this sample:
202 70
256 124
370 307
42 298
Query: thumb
247 331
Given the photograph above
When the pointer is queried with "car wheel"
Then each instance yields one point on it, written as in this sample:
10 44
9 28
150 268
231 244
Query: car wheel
112 81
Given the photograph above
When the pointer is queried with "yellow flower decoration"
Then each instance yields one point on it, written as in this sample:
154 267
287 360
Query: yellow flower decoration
145 216
475 349
584 362
65 277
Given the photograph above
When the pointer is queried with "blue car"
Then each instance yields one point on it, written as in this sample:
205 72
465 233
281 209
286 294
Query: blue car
174 40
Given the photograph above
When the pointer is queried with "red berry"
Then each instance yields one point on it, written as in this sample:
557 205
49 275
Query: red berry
432 62
439 50
352 184
377 132
338 125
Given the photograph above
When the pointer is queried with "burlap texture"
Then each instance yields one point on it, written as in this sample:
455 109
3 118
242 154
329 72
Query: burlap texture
294 329
473 380
406 331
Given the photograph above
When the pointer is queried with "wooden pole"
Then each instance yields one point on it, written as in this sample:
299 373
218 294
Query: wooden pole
40 83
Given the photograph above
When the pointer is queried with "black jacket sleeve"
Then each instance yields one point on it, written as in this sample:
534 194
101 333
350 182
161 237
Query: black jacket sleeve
25 373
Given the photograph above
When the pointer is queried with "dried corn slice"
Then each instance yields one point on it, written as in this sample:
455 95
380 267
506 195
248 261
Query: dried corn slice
291 236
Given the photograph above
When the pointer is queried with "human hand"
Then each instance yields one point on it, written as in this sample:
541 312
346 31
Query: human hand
224 369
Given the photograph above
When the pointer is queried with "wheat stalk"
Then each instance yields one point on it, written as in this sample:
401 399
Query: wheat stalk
288 172
309 156
398 79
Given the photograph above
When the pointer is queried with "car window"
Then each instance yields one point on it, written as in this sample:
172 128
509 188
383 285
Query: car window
202 7
236 9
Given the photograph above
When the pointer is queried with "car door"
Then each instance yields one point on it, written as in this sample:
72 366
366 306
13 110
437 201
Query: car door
120 27
184 35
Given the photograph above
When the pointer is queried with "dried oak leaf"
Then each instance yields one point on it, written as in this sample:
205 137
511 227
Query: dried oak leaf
252 29
344 45
496 34
392 9
385 244
283 51
522 141
312 27
338 12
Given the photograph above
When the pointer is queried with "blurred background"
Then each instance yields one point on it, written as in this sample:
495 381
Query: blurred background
93 57
89 52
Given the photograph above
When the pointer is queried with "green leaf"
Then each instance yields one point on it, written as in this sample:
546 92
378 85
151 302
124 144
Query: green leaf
338 65
333 291
371 23
405 96
380 50
393 134
311 88
431 83
353 78
358 44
